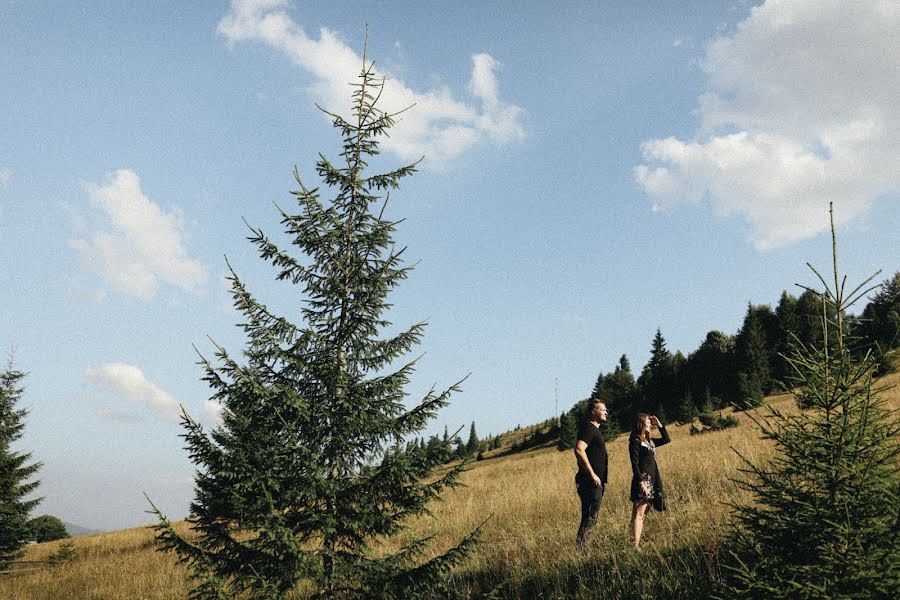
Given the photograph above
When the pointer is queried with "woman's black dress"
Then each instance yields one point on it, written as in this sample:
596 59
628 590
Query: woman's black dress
643 461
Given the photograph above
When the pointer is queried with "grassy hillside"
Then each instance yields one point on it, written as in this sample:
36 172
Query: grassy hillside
527 550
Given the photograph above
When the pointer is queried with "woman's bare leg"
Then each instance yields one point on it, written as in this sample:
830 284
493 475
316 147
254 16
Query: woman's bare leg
637 521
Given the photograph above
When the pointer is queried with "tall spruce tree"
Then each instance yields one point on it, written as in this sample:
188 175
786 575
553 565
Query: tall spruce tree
16 470
657 378
879 323
620 392
711 369
568 431
307 473
752 356
824 518
473 442
786 314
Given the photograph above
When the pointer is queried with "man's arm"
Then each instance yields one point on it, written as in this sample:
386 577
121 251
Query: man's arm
581 457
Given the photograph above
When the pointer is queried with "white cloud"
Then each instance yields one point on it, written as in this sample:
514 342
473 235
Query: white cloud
440 126
108 414
128 382
5 174
212 413
800 110
147 246
84 295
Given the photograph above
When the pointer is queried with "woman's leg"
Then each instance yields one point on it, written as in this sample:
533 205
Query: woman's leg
637 521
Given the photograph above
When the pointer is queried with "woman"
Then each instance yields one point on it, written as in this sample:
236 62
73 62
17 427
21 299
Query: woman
646 484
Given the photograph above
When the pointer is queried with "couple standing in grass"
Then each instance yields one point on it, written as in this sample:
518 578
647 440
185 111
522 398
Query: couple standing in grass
646 484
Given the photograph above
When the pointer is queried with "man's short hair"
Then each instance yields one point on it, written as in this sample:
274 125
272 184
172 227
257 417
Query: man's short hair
593 402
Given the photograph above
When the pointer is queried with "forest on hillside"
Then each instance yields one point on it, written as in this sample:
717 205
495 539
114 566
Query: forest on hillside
736 370
740 369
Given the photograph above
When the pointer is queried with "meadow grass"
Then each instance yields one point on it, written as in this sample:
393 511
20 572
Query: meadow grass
527 546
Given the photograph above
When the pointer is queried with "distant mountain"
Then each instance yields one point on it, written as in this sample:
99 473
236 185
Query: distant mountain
78 530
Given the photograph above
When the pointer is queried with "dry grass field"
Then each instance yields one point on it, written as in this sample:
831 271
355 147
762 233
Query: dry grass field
527 548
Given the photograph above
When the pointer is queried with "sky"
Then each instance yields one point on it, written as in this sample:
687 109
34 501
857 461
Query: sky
593 171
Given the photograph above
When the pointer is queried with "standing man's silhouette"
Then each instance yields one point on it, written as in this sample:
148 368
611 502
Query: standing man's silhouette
590 481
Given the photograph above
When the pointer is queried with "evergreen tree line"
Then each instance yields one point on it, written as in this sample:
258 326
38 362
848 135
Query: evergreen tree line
735 370
452 447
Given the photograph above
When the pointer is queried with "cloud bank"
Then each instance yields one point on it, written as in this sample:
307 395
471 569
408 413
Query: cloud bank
127 382
800 110
147 247
439 127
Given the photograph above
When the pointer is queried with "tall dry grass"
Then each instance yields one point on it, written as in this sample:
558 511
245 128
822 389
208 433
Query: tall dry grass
527 548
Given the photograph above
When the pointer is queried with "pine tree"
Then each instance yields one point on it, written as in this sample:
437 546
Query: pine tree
753 360
15 470
712 367
707 404
823 522
568 431
786 314
306 476
472 443
879 324
657 378
599 390
687 409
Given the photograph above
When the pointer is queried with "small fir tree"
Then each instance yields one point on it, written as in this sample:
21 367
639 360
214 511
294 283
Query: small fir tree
824 518
307 474
687 409
16 470
568 431
707 404
473 442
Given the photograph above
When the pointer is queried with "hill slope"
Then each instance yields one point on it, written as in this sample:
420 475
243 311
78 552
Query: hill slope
527 549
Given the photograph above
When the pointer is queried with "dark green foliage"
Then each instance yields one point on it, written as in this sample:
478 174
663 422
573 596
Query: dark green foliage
750 391
710 370
309 471
714 422
473 443
620 393
15 470
708 402
824 518
686 410
810 331
568 431
47 528
786 316
610 428
657 380
753 357
879 324
64 553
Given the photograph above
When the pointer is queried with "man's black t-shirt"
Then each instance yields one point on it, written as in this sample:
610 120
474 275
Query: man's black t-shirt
596 450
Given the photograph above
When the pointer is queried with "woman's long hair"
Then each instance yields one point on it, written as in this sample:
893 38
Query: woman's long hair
641 429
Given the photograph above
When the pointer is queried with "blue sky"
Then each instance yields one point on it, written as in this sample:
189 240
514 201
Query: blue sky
593 171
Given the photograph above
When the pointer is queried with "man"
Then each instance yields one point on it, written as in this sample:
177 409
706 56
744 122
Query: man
590 481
